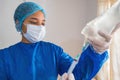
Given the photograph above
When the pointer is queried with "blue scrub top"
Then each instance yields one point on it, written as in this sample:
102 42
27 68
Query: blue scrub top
44 61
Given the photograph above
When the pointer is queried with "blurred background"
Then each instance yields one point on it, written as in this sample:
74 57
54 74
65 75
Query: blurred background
64 22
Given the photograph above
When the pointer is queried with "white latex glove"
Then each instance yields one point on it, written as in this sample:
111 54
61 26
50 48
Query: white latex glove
66 76
100 45
116 28
106 22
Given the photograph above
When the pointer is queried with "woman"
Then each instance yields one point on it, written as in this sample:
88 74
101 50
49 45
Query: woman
34 59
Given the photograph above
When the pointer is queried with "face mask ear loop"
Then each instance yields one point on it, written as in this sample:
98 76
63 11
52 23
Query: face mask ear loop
22 30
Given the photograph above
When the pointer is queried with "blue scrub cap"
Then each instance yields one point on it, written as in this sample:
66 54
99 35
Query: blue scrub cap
23 11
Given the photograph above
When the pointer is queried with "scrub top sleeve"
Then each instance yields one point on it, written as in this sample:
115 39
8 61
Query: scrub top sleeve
3 75
63 60
89 64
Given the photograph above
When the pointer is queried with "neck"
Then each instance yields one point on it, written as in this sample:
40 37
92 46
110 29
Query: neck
24 40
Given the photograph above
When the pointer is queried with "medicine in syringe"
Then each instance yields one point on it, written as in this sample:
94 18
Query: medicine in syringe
73 65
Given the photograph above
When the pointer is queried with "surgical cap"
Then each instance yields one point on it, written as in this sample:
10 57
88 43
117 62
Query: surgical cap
23 11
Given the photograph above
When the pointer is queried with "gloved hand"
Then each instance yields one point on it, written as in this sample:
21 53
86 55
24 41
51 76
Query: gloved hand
66 76
100 45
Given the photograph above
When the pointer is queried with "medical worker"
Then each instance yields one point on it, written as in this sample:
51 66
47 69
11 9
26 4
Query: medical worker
34 59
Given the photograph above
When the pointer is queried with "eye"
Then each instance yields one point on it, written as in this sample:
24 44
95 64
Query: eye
43 24
32 22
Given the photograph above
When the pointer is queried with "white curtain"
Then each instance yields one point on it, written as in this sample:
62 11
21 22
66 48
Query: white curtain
115 57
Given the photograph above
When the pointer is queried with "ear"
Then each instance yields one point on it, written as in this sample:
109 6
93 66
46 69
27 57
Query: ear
17 25
16 22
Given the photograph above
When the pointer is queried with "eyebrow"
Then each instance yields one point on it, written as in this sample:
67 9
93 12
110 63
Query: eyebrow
37 19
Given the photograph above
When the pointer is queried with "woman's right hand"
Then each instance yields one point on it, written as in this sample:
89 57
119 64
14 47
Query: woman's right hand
66 76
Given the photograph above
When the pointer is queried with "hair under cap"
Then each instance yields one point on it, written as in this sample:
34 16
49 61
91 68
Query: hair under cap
23 11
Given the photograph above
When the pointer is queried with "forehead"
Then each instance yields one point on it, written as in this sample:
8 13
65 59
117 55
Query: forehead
38 15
